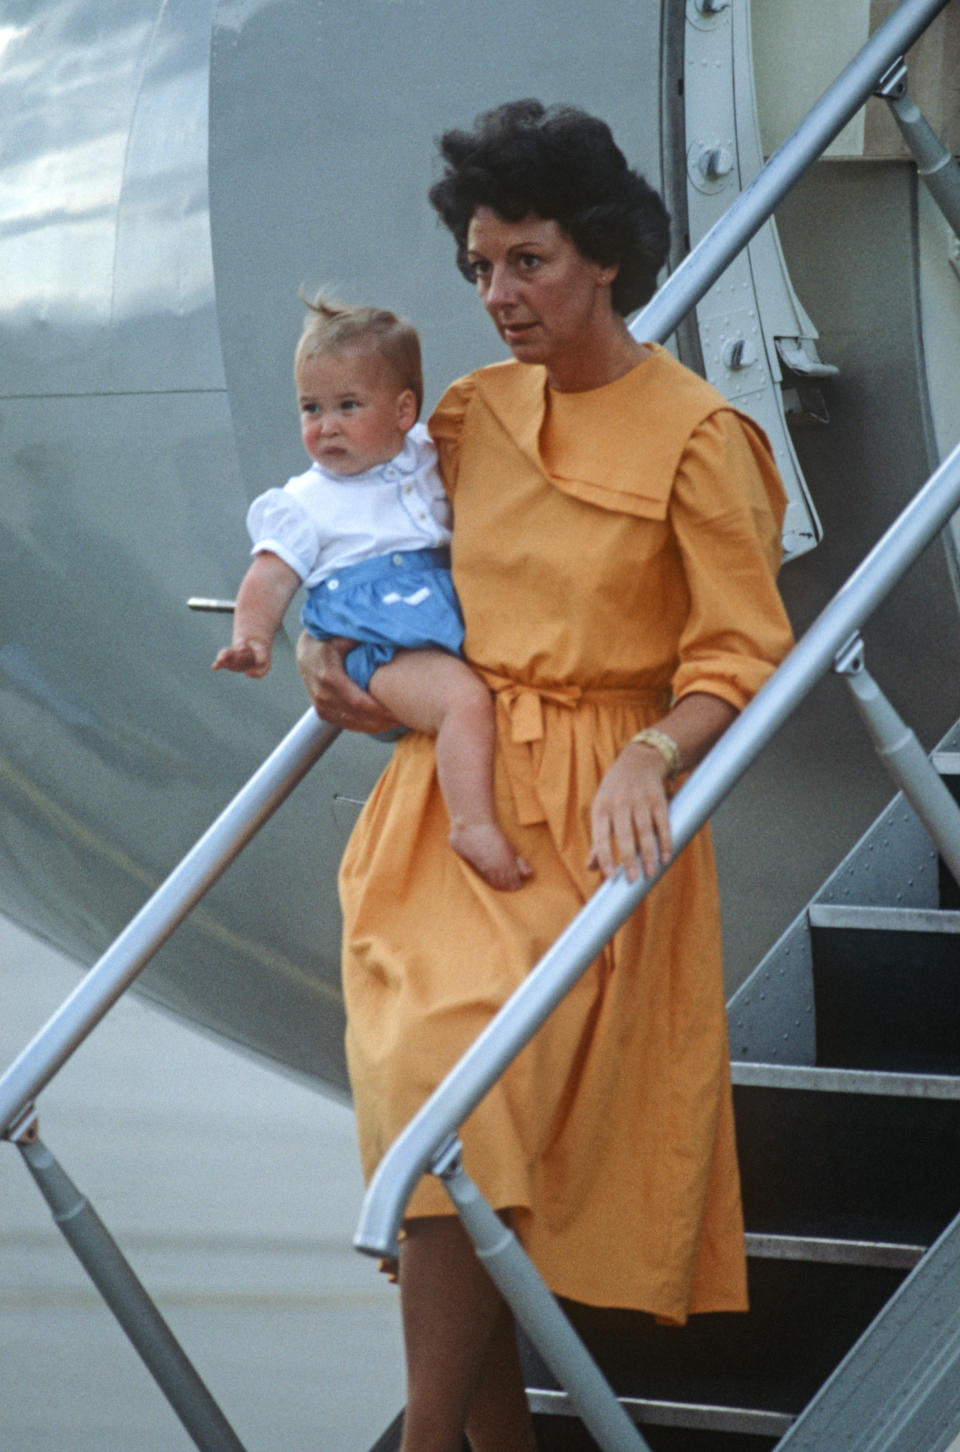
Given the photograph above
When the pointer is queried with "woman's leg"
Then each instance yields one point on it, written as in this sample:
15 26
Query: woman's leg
499 1415
439 694
462 1366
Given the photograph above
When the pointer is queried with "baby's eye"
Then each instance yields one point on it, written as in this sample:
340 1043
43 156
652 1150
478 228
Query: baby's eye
350 404
308 408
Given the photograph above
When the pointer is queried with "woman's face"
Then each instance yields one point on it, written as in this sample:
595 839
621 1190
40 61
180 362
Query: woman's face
549 303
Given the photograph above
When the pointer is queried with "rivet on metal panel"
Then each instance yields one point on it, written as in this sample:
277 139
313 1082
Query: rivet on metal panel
710 165
706 14
739 353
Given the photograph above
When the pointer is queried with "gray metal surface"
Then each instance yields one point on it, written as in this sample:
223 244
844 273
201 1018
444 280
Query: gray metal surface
887 920
109 978
806 144
833 1251
126 1297
676 1414
172 175
938 168
899 1388
846 1081
903 756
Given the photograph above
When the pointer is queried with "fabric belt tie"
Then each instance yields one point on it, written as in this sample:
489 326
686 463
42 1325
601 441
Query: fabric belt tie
538 770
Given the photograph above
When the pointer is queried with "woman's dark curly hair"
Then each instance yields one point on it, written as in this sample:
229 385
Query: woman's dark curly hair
563 165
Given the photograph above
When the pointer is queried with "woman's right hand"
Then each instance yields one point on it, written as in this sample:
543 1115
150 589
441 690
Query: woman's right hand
336 698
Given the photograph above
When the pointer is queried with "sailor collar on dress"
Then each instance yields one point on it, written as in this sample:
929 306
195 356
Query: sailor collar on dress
622 442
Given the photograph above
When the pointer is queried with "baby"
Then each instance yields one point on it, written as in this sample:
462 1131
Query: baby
367 531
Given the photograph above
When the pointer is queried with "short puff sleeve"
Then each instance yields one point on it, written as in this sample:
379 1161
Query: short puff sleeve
726 511
446 425
278 522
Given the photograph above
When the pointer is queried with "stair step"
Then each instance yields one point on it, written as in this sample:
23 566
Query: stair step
804 1318
886 987
565 1434
891 1254
848 1155
647 1412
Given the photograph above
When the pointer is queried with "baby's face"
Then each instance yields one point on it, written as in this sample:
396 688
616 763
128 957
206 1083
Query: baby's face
352 414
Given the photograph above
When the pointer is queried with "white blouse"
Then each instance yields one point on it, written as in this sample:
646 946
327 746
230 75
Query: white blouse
320 522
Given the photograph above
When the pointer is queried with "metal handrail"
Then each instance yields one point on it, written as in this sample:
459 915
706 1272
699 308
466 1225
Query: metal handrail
806 143
174 899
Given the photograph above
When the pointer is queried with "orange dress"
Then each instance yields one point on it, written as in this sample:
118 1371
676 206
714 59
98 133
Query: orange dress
612 549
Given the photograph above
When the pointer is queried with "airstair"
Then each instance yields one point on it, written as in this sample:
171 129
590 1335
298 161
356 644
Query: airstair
846 1044
846 1072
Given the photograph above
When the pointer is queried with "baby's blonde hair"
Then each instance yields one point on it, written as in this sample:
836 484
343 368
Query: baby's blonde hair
332 326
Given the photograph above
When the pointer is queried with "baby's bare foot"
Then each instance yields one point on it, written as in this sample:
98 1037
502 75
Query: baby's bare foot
484 846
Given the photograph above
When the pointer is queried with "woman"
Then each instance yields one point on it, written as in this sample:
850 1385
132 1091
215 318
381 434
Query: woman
615 542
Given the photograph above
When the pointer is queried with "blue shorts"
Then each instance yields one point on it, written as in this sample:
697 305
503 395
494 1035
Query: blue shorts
400 601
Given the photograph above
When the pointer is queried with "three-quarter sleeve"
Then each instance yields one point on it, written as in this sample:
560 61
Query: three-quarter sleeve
278 522
726 511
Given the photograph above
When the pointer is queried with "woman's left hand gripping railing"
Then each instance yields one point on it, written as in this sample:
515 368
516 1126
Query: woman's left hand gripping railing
106 981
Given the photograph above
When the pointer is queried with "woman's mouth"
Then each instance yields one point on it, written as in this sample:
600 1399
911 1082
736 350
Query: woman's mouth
512 332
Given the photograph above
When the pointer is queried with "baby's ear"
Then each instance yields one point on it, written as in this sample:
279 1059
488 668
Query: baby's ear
407 409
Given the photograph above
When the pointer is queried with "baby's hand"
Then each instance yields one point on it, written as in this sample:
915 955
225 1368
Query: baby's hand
252 657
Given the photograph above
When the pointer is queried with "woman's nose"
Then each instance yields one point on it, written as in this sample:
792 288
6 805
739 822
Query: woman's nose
499 288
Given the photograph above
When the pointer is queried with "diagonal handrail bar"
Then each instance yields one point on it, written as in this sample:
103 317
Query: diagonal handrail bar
174 899
415 1149
841 100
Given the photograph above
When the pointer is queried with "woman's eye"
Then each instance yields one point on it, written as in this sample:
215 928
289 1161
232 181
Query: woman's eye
479 269
528 261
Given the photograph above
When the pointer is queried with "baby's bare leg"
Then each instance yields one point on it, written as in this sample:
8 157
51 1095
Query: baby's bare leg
439 694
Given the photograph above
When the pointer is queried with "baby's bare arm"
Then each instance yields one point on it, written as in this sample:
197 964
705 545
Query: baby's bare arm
267 589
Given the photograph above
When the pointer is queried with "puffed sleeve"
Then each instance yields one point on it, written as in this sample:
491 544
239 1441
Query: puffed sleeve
278 522
446 428
726 510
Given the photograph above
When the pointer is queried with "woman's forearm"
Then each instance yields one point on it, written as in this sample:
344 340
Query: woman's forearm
695 723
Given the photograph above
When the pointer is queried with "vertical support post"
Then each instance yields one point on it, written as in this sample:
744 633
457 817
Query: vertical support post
936 166
126 1297
536 1310
903 756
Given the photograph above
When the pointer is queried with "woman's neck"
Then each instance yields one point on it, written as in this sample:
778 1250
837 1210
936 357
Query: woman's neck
606 357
